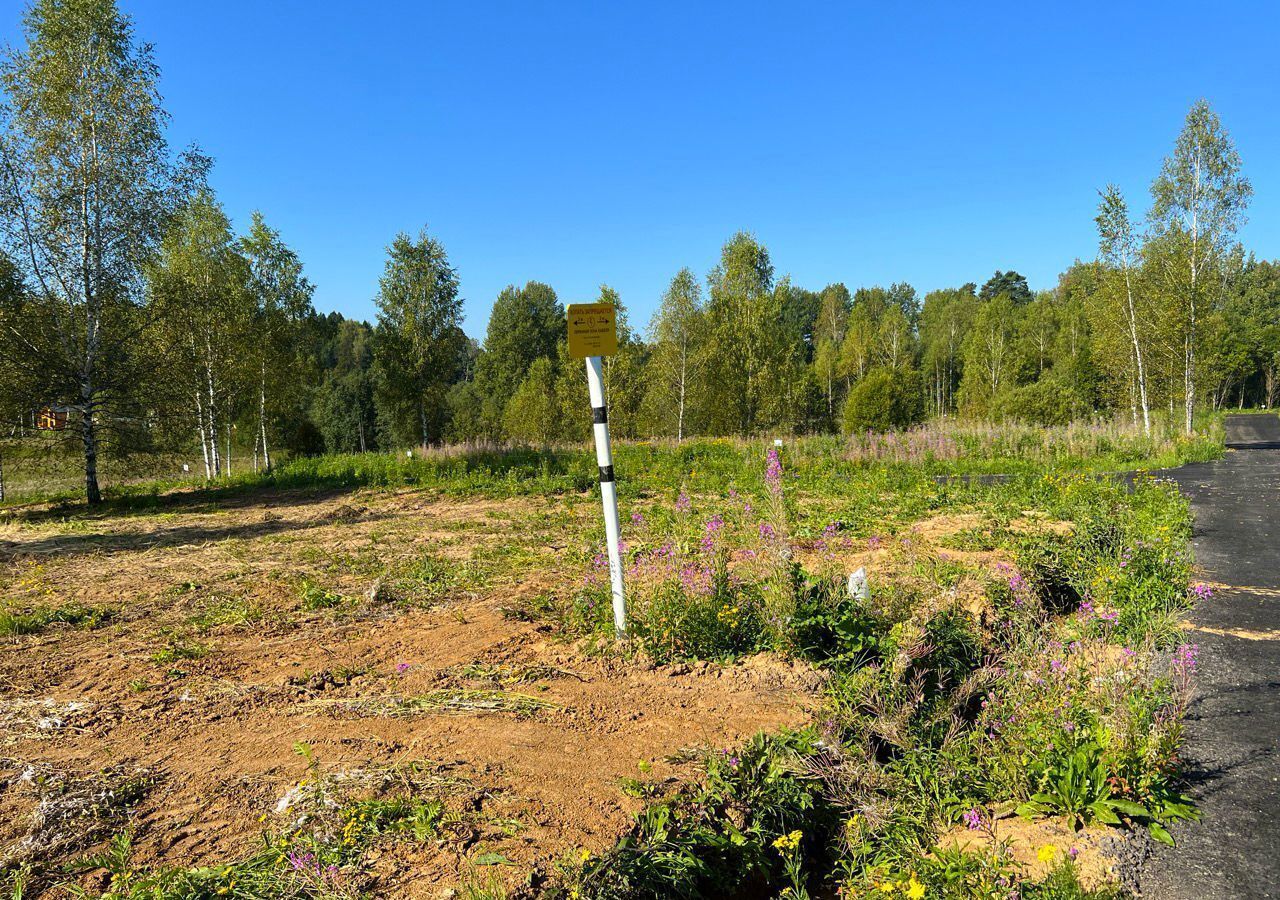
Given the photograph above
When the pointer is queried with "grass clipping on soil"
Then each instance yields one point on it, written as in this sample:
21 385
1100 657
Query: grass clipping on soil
444 701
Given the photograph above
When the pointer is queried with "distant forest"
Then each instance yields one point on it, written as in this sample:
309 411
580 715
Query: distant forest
131 310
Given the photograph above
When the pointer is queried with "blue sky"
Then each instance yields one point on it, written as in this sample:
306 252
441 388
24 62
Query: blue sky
586 143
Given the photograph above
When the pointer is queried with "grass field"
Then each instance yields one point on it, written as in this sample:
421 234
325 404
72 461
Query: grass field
393 676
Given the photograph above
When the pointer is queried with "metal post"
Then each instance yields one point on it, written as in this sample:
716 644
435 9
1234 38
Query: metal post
608 490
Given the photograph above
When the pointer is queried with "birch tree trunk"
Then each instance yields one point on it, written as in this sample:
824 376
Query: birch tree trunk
204 440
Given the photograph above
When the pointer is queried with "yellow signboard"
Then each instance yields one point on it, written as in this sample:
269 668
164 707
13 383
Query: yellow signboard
593 329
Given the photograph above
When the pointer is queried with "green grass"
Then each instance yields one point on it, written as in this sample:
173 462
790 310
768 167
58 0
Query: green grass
931 713
823 463
33 620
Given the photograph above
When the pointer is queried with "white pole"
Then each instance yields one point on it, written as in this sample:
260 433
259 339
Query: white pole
608 490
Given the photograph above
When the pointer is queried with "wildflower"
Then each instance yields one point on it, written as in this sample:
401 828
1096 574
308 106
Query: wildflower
788 842
773 472
973 818
401 668
1185 658
915 890
584 854
766 530
1200 591
683 503
637 518
1047 853
1073 852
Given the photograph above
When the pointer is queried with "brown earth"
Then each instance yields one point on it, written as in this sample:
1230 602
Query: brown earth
244 675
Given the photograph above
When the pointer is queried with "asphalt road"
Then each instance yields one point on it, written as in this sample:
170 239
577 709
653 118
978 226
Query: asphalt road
1233 729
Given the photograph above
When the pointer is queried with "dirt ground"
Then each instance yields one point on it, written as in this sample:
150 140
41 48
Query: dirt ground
243 628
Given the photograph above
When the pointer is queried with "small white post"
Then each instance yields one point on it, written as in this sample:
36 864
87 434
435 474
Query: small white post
608 491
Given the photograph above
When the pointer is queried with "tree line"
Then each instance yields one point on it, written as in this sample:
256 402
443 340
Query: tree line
129 306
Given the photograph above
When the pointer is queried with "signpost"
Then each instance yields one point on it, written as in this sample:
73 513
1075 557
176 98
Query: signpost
593 333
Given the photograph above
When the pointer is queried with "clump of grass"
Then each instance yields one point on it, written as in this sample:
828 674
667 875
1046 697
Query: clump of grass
505 674
314 597
178 648
229 612
33 620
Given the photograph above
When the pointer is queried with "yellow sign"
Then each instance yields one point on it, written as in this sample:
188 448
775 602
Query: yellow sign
593 329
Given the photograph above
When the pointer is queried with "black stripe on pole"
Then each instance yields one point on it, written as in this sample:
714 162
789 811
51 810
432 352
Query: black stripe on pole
606 474
599 415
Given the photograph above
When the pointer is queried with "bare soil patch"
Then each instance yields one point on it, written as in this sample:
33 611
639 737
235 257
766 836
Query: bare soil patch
214 668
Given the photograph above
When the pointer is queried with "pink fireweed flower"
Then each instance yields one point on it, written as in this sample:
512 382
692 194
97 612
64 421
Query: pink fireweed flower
773 472
1200 591
1186 658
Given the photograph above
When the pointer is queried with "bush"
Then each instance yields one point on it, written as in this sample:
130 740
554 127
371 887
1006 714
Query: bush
885 400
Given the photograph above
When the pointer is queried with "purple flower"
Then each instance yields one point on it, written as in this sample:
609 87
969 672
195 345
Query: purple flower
637 518
303 861
401 668
773 472
973 819
1200 591
1186 658
683 503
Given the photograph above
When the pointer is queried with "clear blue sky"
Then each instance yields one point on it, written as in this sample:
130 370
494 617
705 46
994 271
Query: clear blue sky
599 142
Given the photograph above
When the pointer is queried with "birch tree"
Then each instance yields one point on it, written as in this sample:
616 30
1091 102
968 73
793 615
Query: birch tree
677 334
828 337
1199 203
199 284
1119 249
420 341
282 297
86 185
745 335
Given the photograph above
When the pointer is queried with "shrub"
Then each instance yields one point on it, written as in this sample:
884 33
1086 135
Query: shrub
884 400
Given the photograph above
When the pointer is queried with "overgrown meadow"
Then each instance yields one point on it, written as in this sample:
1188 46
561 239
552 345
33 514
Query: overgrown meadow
993 618
1032 668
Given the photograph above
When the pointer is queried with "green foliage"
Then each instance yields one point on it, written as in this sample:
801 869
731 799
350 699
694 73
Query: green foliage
35 620
885 400
420 346
1060 701
313 596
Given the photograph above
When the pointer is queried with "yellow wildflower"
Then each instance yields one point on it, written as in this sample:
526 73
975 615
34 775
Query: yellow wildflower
788 841
915 890
1047 853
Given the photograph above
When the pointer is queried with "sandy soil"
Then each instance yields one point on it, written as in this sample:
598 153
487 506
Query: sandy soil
215 734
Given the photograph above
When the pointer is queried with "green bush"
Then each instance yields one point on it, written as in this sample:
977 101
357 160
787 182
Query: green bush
885 400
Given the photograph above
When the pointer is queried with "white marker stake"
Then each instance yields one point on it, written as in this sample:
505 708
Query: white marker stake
608 490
